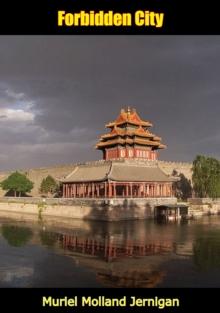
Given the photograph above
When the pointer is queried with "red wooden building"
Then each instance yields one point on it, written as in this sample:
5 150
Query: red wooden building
129 137
129 167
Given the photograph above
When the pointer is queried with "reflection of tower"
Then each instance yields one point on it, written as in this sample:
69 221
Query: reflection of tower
127 271
129 278
110 249
129 137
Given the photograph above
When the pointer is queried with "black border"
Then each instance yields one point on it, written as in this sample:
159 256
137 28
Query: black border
40 17
30 300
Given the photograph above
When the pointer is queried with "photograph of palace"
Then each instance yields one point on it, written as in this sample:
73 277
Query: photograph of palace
109 163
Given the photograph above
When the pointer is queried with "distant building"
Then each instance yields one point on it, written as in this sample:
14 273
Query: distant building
129 137
129 168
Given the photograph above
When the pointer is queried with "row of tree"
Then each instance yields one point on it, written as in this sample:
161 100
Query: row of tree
18 184
205 181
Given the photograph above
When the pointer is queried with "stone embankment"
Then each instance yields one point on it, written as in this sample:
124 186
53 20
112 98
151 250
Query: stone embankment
99 209
203 206
89 209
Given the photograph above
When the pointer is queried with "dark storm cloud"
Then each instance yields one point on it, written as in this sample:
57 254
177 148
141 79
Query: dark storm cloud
56 94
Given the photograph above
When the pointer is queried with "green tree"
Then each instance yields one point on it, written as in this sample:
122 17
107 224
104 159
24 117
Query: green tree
206 177
48 186
17 183
182 187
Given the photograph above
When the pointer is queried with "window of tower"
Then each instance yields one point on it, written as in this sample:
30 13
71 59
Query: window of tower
130 153
122 153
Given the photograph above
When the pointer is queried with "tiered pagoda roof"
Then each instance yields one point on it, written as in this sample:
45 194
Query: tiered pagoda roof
129 116
129 129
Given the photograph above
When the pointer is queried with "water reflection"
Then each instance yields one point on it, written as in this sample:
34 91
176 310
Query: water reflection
48 238
125 254
206 251
109 249
16 236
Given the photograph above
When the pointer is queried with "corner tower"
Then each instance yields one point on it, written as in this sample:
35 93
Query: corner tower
129 137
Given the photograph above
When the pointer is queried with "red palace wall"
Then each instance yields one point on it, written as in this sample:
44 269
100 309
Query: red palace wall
130 153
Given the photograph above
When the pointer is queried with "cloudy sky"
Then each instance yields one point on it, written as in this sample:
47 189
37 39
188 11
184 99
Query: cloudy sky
57 93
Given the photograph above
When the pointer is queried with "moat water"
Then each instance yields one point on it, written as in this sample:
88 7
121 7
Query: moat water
56 253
